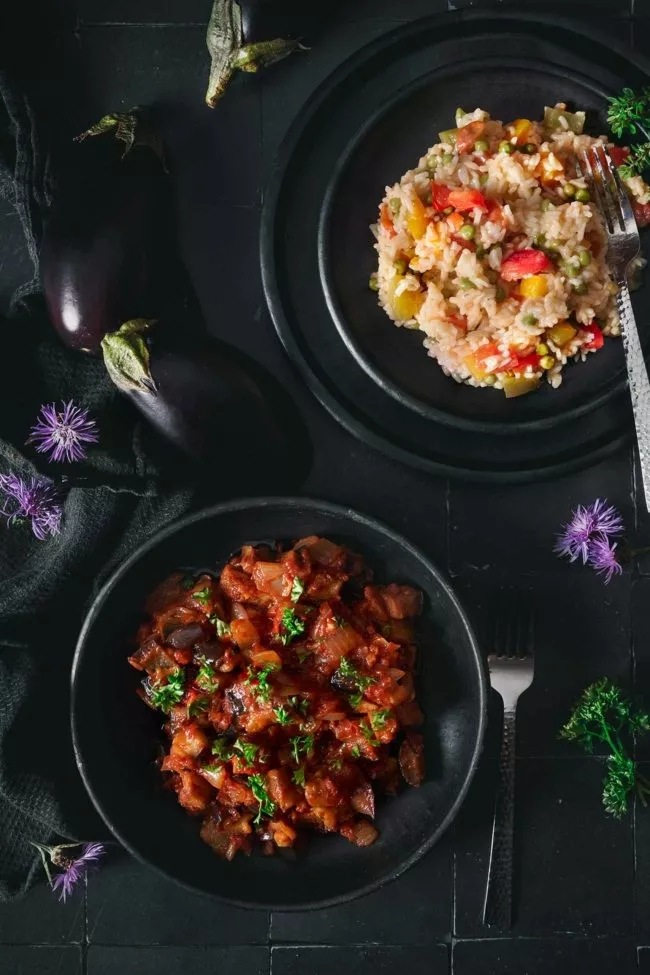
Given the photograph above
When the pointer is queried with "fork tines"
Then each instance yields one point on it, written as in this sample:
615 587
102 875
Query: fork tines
608 190
512 626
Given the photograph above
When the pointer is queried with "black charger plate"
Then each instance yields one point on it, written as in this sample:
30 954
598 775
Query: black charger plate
368 124
115 735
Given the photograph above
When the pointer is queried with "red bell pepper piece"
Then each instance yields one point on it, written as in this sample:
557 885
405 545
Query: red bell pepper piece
619 154
440 196
464 200
386 221
597 338
641 213
526 261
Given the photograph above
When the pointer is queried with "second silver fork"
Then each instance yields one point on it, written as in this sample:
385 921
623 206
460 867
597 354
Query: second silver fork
511 673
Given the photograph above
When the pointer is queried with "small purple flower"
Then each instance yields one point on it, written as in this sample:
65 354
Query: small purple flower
74 869
598 518
36 500
63 434
602 556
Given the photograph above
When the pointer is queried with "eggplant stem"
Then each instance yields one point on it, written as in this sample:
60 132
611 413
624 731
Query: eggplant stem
224 39
252 57
129 129
126 356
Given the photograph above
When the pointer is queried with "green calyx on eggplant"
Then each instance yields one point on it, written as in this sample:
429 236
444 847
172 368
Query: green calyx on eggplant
107 238
236 41
219 408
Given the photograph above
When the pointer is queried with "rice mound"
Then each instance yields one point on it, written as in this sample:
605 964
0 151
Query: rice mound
445 269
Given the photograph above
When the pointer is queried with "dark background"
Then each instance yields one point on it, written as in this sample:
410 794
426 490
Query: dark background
582 879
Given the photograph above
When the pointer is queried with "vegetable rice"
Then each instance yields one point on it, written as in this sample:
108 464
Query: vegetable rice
494 250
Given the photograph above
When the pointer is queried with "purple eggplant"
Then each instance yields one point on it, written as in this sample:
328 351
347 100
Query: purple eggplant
246 35
105 243
218 408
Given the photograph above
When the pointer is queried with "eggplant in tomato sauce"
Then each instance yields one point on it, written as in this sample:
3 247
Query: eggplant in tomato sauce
288 694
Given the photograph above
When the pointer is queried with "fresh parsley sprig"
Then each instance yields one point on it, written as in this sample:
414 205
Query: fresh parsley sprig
301 745
292 625
637 161
266 806
164 695
628 111
347 672
260 678
604 714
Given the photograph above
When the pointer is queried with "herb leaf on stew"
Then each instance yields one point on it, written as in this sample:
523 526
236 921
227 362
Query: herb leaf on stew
292 626
297 589
163 696
266 805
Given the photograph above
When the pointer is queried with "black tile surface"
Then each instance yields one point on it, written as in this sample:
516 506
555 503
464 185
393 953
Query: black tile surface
158 912
40 961
41 918
433 960
424 897
177 961
536 957
574 866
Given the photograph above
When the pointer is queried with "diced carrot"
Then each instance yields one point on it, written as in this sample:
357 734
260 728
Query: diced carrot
386 221
455 221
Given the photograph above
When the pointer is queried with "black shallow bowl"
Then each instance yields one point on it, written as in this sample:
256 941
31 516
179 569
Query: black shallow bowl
115 735
388 145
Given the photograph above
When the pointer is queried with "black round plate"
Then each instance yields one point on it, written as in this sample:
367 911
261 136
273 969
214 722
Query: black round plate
368 124
115 735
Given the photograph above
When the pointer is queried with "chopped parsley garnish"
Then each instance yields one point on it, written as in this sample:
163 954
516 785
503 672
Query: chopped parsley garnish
202 595
297 589
266 805
261 679
368 734
300 704
198 705
187 582
222 628
379 718
299 776
347 671
163 697
212 768
336 764
355 751
282 716
206 677
303 653
247 749
301 744
222 749
355 700
339 621
292 625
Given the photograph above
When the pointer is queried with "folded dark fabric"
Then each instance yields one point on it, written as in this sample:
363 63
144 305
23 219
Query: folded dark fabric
111 502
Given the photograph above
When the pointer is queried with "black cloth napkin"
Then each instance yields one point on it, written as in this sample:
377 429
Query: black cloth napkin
112 503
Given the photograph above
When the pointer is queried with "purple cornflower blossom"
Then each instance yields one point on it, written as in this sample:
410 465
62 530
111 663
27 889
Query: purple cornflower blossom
63 434
73 869
602 556
36 500
597 519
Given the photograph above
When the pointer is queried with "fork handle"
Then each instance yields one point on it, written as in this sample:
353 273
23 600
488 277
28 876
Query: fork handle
497 910
638 382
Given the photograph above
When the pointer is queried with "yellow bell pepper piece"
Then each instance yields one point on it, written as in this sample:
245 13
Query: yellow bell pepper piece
562 333
475 368
518 385
407 304
416 221
536 286
520 127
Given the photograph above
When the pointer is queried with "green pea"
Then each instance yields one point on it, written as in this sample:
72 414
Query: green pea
581 287
570 269
583 196
547 361
480 251
505 147
530 149
481 145
465 284
482 179
547 205
569 190
489 380
373 283
541 349
540 240
400 265
448 210
467 231
447 157
584 256
432 162
529 319
395 206
500 294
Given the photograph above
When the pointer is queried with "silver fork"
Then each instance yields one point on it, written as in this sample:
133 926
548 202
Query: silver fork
623 240
511 673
